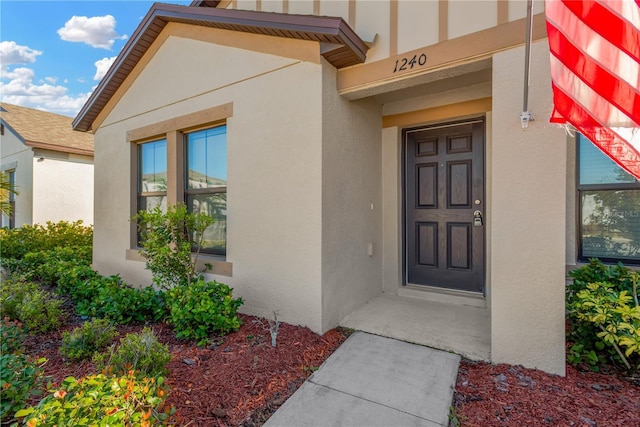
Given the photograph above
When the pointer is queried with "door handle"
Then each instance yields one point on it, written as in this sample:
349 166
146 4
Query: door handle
477 219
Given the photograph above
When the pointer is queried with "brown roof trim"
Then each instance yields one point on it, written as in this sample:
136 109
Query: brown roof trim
205 3
348 49
53 147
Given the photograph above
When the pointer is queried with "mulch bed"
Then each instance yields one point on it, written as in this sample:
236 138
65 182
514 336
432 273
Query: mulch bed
240 380
505 395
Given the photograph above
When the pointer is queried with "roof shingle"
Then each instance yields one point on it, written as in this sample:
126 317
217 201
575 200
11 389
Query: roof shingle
42 129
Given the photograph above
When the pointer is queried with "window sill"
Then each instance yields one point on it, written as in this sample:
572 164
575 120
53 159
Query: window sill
218 264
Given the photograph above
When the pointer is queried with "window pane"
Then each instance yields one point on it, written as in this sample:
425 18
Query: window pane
151 202
207 158
214 205
611 224
597 168
153 166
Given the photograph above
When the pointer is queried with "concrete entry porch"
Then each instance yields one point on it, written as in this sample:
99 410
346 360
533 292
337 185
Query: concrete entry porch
462 329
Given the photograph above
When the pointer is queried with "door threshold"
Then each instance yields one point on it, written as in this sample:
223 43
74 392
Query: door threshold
450 296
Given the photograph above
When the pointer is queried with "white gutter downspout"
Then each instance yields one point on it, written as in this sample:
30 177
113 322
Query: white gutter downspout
525 116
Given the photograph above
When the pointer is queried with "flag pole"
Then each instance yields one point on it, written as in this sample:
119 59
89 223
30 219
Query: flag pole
525 116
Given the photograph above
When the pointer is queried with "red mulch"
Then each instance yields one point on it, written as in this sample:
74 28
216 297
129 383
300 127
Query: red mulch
505 395
242 380
239 381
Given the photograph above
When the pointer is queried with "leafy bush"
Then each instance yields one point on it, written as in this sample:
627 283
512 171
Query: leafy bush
51 265
110 298
40 311
98 400
201 308
12 336
84 341
20 376
12 291
604 316
596 271
16 243
141 352
617 322
167 239
71 281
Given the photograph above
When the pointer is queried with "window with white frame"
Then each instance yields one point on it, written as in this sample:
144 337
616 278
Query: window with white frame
608 208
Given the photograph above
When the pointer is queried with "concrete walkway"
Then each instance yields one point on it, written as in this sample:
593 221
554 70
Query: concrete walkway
374 381
459 328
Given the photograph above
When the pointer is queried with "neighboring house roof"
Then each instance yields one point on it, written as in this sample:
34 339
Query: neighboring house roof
41 129
340 45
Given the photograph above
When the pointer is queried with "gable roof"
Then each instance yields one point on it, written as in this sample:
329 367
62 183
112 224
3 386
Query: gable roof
205 3
41 129
340 45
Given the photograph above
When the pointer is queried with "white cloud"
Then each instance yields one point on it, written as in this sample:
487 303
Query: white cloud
12 53
52 80
102 66
21 90
98 31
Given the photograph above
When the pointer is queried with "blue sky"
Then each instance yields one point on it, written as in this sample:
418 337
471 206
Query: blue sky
54 53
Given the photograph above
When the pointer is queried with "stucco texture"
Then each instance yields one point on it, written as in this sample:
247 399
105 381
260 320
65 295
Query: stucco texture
528 190
274 168
351 202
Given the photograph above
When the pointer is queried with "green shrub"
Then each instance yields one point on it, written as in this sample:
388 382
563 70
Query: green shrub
167 239
20 376
16 243
85 340
141 352
201 308
98 400
110 298
615 316
72 280
12 291
40 311
49 266
604 317
618 275
12 336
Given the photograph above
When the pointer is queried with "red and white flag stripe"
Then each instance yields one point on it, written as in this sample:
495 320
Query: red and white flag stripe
595 72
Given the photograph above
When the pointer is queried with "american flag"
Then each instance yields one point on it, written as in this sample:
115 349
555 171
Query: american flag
595 73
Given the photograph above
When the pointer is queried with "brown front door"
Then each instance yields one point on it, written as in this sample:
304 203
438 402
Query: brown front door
445 206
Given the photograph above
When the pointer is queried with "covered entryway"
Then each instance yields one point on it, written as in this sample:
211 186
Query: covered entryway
444 205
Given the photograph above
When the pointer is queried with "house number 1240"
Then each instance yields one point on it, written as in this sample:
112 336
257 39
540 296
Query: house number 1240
407 64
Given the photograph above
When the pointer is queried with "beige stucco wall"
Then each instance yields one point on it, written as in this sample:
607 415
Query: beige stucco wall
419 24
371 19
19 157
52 185
274 168
351 202
62 187
528 218
391 210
